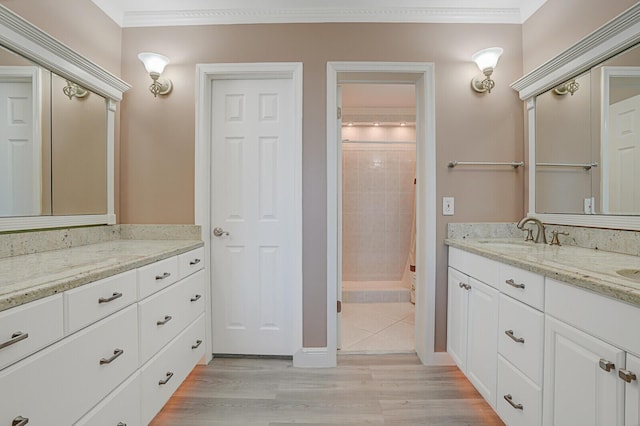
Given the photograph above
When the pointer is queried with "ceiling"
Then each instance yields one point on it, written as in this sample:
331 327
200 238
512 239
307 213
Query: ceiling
144 13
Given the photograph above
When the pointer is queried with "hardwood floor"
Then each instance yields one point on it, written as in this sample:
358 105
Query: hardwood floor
363 389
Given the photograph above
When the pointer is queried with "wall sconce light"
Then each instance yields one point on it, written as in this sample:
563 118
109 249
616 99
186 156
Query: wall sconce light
154 63
486 59
570 86
72 90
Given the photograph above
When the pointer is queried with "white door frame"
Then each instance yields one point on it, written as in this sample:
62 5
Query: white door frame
205 74
422 75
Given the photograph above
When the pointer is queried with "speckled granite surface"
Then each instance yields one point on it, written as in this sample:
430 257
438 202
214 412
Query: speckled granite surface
34 276
38 264
588 268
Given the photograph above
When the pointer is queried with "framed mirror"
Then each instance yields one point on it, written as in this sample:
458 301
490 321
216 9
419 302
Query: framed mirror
582 135
57 115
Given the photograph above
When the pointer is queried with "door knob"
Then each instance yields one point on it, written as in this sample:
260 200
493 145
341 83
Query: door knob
219 232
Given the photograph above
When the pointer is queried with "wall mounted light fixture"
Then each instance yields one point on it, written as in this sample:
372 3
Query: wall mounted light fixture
154 63
486 59
72 90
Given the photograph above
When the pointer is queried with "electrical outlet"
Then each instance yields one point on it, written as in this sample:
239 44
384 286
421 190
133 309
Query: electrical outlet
447 206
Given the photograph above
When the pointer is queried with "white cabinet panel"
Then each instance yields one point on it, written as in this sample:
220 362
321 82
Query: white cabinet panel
525 286
89 303
190 262
632 392
457 318
521 337
577 391
156 276
482 340
28 328
162 375
121 407
165 314
519 400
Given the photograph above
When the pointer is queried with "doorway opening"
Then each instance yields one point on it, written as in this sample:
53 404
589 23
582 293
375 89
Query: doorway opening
378 133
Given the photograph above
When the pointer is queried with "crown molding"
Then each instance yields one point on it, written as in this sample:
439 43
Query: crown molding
322 15
22 37
612 38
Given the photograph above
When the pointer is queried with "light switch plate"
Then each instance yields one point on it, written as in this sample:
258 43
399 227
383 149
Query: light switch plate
447 206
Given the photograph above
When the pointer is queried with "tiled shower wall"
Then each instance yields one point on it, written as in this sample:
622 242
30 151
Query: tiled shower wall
377 210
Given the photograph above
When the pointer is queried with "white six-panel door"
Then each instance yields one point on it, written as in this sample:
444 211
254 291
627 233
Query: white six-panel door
252 205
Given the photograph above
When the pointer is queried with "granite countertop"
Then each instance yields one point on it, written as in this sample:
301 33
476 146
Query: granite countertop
34 276
590 269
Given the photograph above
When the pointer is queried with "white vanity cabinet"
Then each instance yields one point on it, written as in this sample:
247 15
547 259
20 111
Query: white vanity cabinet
89 351
473 320
591 358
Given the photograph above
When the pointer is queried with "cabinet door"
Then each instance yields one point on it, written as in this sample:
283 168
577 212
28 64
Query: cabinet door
577 388
632 393
482 339
457 318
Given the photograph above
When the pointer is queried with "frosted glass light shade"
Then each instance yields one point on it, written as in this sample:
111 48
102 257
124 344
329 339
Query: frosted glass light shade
153 62
487 58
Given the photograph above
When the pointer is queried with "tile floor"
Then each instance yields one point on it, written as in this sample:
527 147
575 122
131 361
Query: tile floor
377 327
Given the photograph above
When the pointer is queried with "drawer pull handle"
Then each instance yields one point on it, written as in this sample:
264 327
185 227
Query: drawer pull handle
20 421
607 365
121 424
465 286
166 319
194 262
197 345
514 338
15 338
196 298
509 399
116 354
113 297
165 381
163 276
627 376
512 283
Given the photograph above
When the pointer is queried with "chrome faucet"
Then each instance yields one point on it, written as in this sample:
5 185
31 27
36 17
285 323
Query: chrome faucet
541 237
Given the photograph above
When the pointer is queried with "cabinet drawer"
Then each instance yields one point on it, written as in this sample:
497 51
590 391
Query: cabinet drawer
30 327
26 389
157 276
101 357
162 375
478 267
522 391
164 315
92 302
525 348
522 285
190 262
121 407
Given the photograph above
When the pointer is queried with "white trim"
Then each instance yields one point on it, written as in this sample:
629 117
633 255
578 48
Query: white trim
205 74
617 35
41 222
425 201
398 14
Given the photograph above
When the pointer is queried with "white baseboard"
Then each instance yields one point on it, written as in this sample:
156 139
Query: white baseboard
314 358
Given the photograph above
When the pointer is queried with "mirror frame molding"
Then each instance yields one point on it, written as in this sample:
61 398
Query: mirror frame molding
23 38
612 38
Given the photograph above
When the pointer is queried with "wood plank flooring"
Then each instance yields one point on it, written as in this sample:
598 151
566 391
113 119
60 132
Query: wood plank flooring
363 389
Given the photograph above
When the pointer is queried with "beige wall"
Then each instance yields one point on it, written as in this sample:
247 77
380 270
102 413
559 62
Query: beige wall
559 24
81 25
158 134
